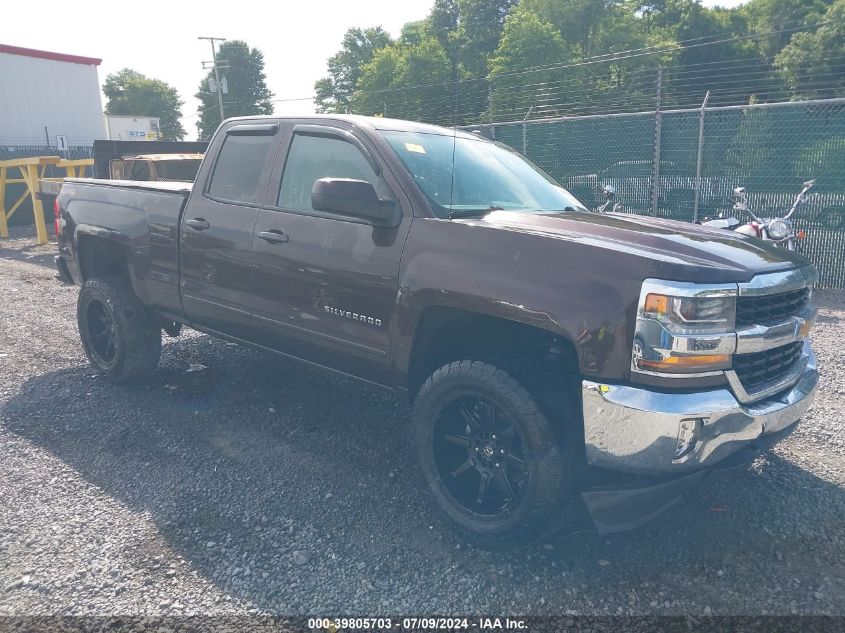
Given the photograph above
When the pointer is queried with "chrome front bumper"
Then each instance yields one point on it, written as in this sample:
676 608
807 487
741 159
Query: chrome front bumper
636 430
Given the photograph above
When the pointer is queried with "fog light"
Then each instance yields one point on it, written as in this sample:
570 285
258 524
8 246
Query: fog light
688 434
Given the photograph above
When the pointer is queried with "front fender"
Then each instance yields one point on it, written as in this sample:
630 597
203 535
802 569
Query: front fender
496 274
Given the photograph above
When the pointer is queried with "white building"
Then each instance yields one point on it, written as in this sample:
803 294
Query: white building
44 95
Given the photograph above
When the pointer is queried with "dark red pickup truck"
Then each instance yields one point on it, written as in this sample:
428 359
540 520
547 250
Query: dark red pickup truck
552 354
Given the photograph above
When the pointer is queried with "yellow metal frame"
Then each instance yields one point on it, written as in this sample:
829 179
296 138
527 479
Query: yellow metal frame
74 168
31 172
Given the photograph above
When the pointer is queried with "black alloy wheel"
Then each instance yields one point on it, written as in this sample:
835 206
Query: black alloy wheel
120 336
101 332
479 455
493 463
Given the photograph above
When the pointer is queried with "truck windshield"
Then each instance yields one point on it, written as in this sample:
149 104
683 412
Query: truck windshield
462 176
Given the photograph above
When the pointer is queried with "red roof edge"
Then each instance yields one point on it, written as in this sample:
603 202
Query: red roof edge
57 57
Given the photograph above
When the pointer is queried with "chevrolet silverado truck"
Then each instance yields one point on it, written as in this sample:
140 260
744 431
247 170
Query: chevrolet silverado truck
555 358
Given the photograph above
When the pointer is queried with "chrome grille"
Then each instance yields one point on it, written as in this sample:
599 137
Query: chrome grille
770 309
760 368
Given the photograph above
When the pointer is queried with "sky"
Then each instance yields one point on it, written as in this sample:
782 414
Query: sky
159 38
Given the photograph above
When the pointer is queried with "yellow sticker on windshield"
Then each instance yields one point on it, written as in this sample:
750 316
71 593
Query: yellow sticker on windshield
413 147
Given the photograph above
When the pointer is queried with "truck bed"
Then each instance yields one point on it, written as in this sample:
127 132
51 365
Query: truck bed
143 217
163 186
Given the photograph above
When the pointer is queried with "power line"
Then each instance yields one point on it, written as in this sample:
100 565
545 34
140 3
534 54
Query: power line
311 98
553 93
612 57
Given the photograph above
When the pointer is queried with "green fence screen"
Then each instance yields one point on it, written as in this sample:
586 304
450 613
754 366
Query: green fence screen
652 159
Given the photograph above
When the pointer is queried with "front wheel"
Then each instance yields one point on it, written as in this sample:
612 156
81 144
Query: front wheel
489 455
121 337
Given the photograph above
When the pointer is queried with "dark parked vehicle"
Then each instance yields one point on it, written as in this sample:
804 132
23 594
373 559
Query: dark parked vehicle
551 354
633 183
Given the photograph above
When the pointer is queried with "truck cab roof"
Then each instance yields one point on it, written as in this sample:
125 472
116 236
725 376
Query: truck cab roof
367 122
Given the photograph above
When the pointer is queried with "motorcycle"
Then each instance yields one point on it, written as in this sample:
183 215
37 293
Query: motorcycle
777 230
609 206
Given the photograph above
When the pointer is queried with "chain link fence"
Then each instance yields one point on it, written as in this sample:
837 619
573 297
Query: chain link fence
74 152
651 133
684 164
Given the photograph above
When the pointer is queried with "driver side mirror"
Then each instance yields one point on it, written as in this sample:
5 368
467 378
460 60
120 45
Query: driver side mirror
354 198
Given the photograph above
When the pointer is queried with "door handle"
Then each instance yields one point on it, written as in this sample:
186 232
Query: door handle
274 236
198 224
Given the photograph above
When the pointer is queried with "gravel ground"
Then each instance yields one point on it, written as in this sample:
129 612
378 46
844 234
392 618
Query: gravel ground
259 485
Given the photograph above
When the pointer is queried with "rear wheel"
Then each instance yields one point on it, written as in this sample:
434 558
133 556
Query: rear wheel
489 455
120 336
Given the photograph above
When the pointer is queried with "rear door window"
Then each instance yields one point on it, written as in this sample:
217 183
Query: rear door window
240 163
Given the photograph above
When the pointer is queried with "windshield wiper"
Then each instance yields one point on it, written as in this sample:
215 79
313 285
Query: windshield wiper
473 213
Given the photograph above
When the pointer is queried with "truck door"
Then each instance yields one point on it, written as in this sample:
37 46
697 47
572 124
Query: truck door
216 229
326 285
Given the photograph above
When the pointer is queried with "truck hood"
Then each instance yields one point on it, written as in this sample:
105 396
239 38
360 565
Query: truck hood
676 249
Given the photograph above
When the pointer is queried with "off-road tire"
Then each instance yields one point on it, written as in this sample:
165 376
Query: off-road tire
549 488
136 346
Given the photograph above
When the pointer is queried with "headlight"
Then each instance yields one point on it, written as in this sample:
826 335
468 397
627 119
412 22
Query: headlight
684 328
691 315
779 229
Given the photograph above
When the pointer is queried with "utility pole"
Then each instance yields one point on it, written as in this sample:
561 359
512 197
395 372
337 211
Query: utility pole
212 65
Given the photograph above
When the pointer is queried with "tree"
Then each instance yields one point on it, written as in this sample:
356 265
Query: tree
480 24
708 67
413 33
443 20
502 56
378 79
333 93
130 93
582 22
778 17
407 79
247 87
527 42
813 63
592 28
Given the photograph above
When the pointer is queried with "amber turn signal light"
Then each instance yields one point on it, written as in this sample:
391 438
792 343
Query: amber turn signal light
656 304
678 362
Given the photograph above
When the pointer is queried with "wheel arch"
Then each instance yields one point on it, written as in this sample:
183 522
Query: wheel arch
444 334
101 256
